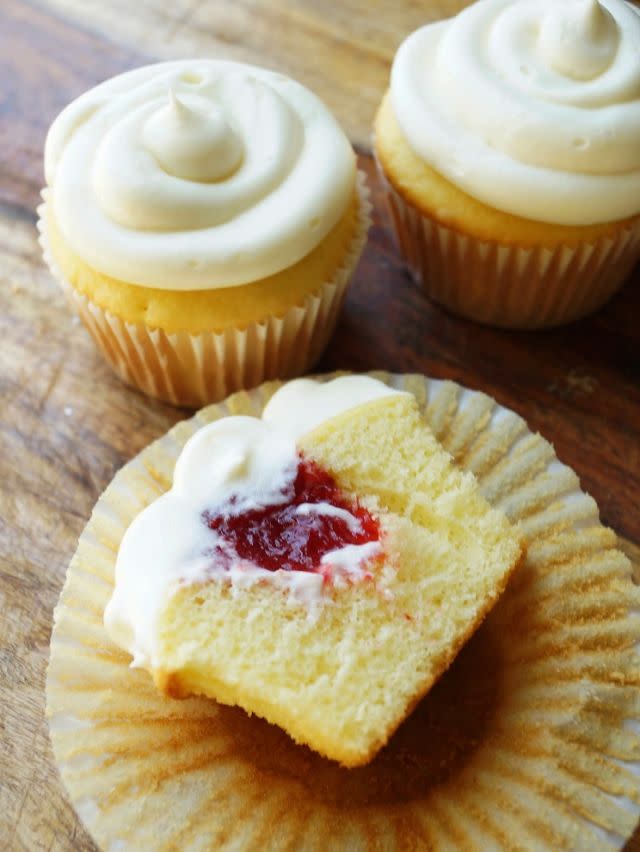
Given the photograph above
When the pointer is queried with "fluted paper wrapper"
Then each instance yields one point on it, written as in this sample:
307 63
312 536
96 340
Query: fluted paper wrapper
194 369
509 285
530 740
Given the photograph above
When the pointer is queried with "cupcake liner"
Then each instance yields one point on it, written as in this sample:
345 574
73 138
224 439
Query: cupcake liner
194 369
508 285
531 740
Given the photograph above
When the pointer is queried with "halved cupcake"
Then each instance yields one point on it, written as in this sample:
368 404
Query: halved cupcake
320 567
529 738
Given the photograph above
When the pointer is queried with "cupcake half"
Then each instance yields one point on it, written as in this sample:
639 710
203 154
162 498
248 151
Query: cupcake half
529 740
509 143
204 219
319 567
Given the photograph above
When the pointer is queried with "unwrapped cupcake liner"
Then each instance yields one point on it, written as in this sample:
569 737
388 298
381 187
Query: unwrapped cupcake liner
194 369
531 740
509 285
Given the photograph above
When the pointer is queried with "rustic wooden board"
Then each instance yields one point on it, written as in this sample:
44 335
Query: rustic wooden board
342 50
66 424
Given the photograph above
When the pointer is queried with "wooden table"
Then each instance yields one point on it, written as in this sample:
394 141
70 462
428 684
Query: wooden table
66 422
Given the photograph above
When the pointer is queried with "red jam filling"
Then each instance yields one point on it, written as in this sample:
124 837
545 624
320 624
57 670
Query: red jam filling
280 537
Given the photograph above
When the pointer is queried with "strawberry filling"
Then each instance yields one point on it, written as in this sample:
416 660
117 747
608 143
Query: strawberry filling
315 519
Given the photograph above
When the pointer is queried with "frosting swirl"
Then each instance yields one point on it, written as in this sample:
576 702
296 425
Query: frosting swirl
197 174
193 139
532 106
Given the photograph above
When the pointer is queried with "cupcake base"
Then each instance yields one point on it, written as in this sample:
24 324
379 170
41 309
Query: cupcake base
510 286
194 369
529 741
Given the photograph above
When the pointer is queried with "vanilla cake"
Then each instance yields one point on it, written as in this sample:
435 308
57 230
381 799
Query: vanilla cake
320 567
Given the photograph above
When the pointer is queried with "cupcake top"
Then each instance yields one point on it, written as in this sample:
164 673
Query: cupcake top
531 106
246 507
197 174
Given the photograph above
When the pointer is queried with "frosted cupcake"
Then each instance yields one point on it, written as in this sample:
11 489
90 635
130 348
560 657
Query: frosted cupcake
204 218
510 145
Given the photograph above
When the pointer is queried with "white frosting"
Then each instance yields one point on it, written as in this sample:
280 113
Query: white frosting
231 466
193 140
241 457
349 563
301 405
197 174
326 509
531 106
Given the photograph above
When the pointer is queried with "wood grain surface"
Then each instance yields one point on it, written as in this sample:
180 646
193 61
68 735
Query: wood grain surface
67 424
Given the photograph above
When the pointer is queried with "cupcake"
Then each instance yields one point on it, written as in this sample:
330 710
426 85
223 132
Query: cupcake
529 740
509 144
310 570
204 219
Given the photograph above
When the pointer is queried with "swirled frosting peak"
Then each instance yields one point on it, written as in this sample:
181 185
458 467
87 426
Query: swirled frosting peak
197 174
579 39
193 139
531 106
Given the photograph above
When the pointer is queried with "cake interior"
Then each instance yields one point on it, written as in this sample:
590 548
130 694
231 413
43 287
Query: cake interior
341 673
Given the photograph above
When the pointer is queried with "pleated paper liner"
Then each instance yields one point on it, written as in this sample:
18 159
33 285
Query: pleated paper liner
194 369
508 285
530 741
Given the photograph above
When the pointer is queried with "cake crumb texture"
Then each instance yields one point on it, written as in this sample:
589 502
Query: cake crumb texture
342 678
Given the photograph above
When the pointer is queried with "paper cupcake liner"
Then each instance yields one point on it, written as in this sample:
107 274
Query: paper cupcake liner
508 285
530 741
194 369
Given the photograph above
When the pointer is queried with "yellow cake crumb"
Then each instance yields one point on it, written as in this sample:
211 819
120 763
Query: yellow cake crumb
343 678
195 311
